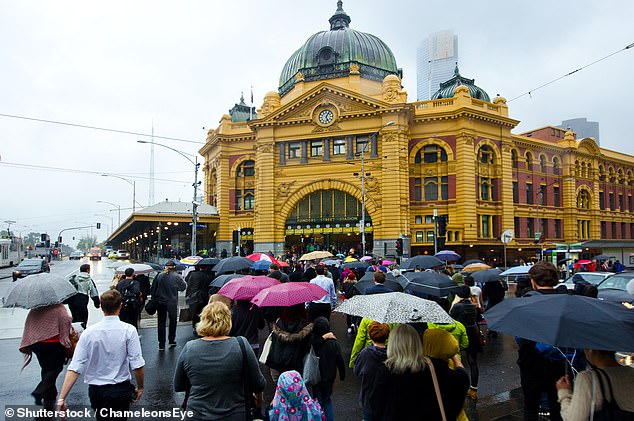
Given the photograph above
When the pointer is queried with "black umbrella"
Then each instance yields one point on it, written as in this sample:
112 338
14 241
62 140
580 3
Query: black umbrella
430 283
233 264
602 257
355 265
155 265
422 262
564 320
562 261
207 261
487 275
401 280
220 280
392 285
468 262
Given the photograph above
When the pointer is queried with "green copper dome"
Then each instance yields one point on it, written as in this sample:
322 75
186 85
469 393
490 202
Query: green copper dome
447 88
329 55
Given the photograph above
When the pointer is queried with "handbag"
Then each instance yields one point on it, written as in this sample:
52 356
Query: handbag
311 372
152 305
610 410
266 349
185 315
251 408
436 388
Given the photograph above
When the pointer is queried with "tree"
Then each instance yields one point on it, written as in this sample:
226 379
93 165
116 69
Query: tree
32 238
85 243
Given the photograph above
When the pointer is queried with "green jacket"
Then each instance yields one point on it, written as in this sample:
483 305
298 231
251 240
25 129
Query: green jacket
457 329
363 339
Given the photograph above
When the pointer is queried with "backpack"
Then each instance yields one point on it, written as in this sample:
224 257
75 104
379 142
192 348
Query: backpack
610 409
557 354
129 298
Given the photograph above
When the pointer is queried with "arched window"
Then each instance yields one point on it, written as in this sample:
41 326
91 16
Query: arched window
611 177
555 166
542 163
620 176
246 169
584 174
577 169
583 199
244 192
529 161
430 154
486 155
601 173
514 158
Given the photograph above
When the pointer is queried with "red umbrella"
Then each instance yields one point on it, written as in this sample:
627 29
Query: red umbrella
288 294
246 287
261 256
584 262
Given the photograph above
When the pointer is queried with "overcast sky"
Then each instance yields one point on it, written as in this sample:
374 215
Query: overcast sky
178 66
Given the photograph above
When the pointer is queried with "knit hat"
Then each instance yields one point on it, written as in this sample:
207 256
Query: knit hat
378 332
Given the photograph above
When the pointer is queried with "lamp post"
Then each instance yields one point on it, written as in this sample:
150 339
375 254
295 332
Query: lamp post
113 204
132 183
195 185
363 175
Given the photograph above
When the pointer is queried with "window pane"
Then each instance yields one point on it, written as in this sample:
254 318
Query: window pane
339 147
351 207
339 202
326 203
419 236
238 199
362 144
444 188
294 150
316 148
431 188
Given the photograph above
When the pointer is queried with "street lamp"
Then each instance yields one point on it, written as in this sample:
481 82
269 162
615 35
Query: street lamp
195 185
363 175
113 204
132 183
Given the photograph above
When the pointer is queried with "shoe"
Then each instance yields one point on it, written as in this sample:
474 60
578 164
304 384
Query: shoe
172 345
38 398
350 330
472 393
161 347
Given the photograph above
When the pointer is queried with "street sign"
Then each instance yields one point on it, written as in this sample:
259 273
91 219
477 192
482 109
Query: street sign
507 236
538 235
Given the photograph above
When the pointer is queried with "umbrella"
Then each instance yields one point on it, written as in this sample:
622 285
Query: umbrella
288 294
457 267
388 263
341 255
233 264
283 264
39 290
332 262
355 265
562 261
364 258
139 268
313 255
584 262
394 307
487 275
400 279
246 287
447 255
468 262
155 265
350 259
474 267
261 256
366 282
602 257
208 261
261 265
422 262
190 260
430 283
565 320
220 280
516 270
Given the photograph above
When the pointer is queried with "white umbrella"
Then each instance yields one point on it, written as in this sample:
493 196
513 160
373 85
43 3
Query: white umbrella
516 270
394 307
139 268
39 290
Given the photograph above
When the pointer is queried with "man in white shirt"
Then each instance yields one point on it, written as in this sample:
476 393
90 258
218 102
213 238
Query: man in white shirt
323 306
106 354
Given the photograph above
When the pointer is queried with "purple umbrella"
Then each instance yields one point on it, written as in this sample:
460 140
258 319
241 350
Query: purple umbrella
447 255
246 287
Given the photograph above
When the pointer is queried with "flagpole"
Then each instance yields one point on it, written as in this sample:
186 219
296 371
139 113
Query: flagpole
251 107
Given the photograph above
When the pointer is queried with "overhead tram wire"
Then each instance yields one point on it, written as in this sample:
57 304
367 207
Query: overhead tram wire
571 73
105 129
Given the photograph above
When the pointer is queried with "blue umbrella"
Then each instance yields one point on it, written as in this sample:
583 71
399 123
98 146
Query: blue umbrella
261 265
447 255
516 270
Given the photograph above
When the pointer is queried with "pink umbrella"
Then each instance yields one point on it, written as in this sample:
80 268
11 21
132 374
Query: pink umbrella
364 258
261 256
288 294
246 287
388 263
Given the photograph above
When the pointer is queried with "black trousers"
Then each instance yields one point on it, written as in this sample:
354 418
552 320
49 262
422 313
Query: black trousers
163 311
130 316
534 384
109 398
51 356
79 309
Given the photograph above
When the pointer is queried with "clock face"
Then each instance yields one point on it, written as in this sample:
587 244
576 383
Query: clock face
326 117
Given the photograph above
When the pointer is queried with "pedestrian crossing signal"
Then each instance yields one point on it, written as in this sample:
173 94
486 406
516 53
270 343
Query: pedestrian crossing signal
98 225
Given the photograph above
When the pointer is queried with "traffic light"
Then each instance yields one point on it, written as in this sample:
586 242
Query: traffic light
43 237
98 225
56 244
59 239
399 247
442 225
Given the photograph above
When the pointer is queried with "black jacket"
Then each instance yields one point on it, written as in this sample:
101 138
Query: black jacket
246 320
197 287
289 345
330 359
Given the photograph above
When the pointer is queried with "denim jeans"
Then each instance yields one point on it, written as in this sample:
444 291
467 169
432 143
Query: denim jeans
323 393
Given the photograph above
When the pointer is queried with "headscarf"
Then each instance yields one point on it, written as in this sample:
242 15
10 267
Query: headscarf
45 323
439 344
458 278
292 402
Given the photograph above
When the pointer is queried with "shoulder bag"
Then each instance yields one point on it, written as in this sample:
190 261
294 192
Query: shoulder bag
151 305
264 355
251 407
311 373
610 410
436 388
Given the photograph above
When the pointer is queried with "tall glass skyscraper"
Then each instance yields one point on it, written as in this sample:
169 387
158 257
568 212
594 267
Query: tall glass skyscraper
436 59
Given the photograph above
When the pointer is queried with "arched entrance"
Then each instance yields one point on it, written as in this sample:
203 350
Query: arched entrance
326 220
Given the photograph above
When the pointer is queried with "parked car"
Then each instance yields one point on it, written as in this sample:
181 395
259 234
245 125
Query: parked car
583 278
29 267
76 255
123 254
613 288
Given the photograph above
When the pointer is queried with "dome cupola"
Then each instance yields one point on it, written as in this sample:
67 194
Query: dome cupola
331 54
447 88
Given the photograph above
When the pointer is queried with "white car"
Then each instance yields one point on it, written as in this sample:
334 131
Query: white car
123 254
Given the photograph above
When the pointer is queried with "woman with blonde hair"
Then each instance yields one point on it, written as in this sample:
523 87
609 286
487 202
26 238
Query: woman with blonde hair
212 369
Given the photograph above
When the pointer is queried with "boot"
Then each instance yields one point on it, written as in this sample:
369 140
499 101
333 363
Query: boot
473 393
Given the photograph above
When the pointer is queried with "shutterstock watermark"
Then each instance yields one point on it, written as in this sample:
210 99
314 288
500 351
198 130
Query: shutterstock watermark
17 412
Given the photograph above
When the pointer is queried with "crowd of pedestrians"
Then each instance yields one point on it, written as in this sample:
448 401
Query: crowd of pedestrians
407 371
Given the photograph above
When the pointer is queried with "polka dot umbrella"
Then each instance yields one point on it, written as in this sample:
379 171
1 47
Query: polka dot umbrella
288 294
246 287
